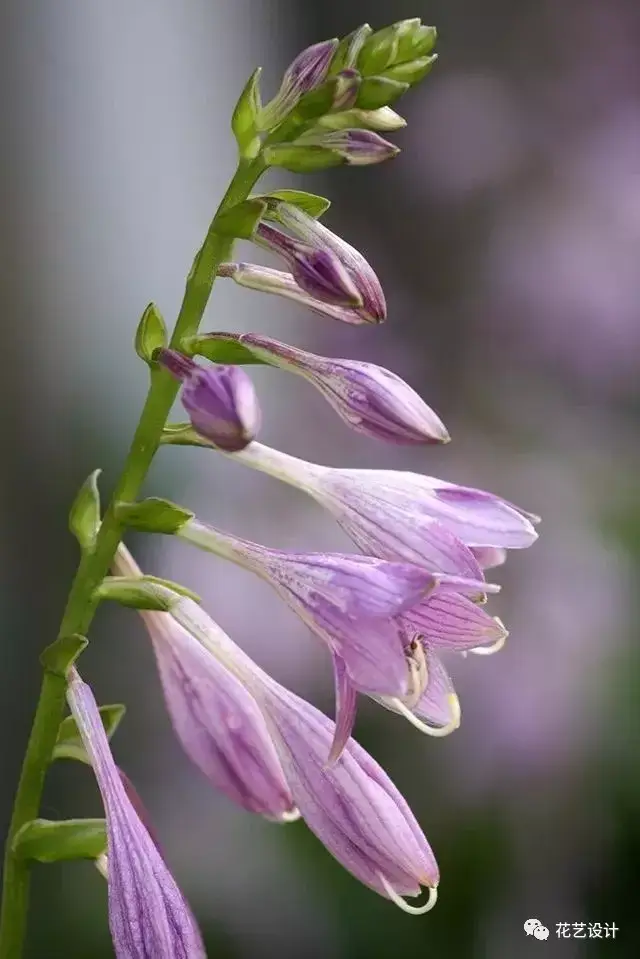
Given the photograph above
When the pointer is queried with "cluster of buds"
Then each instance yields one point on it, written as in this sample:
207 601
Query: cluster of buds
416 589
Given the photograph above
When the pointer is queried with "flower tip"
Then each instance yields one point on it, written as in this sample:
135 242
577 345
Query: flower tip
291 815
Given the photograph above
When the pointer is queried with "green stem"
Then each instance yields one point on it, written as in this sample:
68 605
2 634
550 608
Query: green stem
94 565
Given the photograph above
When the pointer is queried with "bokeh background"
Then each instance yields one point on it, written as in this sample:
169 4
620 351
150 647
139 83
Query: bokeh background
507 235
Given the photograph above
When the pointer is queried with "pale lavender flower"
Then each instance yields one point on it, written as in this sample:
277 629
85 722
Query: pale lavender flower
363 608
356 147
148 915
318 272
304 74
346 600
352 806
217 722
221 401
369 398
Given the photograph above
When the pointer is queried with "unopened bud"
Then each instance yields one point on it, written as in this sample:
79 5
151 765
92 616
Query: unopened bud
221 401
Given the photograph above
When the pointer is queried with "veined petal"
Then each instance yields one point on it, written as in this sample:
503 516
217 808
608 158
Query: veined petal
148 915
345 709
451 621
218 723
352 806
490 556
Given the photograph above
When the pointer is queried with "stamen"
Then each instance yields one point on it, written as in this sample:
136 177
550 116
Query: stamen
495 647
405 906
418 672
436 731
292 816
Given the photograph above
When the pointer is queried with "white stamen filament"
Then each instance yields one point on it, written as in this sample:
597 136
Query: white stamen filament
403 904
436 731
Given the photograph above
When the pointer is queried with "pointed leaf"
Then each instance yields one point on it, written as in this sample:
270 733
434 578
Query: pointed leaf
379 51
69 743
220 349
310 203
84 516
153 515
245 115
411 72
302 159
151 334
61 655
137 593
183 434
48 841
241 220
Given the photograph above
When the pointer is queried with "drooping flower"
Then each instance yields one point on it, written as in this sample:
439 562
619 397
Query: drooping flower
363 608
217 722
346 600
221 401
351 805
148 915
369 398
356 147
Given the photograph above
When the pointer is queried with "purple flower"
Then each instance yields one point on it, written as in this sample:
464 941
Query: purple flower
221 401
352 806
217 722
356 147
318 272
346 600
148 915
436 711
367 397
303 75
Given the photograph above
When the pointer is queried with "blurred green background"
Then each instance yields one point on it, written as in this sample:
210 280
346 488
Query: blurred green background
507 236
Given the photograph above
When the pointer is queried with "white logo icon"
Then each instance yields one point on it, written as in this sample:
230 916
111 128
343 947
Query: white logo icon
533 927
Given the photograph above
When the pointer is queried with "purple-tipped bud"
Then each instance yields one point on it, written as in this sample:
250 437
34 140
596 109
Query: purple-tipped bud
352 806
216 720
356 147
315 234
303 75
148 915
319 272
370 399
221 401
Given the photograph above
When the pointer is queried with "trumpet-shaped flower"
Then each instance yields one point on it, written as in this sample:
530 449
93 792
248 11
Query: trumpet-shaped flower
351 805
148 915
216 720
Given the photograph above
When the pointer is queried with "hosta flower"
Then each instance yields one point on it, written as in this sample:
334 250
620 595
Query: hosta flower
148 915
356 147
352 806
370 399
216 720
221 401
346 600
362 608
406 516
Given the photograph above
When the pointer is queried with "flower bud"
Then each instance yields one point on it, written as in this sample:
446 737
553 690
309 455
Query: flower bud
221 401
384 119
319 272
370 399
303 75
356 147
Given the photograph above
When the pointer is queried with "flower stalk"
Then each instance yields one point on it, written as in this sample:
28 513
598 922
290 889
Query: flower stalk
94 565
